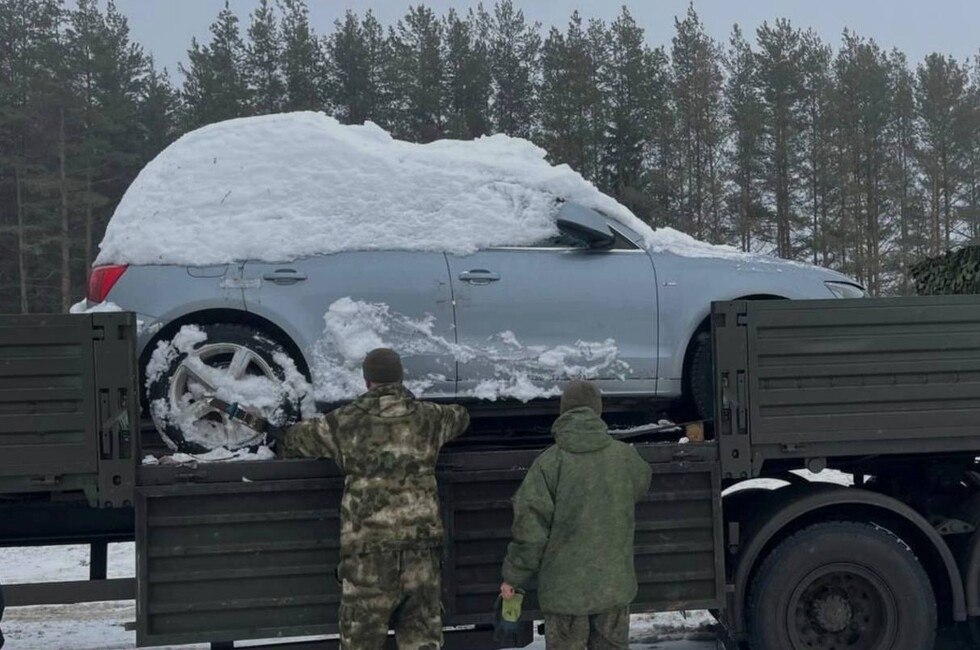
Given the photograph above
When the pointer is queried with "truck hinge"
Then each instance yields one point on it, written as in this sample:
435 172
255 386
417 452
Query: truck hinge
792 447
945 526
190 477
741 320
46 480
98 333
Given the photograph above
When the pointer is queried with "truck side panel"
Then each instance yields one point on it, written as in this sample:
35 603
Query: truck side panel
847 377
67 401
249 550
47 398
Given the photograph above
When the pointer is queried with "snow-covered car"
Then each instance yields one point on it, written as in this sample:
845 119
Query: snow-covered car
264 257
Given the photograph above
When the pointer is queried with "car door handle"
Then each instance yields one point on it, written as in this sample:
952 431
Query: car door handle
284 276
479 276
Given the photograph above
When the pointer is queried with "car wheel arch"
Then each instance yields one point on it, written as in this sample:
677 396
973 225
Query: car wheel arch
234 317
704 325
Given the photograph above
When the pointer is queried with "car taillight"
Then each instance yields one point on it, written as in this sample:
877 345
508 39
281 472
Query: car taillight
102 280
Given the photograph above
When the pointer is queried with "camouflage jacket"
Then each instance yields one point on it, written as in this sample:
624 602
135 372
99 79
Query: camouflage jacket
386 443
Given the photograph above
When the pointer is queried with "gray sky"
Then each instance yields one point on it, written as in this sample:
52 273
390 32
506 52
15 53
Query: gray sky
916 27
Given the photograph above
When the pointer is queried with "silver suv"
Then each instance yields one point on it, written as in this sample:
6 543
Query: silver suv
593 298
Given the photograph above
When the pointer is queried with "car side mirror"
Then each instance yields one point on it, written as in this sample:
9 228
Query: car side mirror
585 225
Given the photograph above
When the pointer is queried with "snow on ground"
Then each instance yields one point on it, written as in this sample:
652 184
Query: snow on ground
101 626
279 187
352 328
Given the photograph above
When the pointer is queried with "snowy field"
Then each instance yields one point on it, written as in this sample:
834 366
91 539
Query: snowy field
102 626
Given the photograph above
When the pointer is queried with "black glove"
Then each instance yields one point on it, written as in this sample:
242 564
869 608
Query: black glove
274 435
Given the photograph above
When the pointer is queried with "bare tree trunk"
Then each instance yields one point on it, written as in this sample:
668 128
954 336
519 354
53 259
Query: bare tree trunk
25 307
65 242
88 220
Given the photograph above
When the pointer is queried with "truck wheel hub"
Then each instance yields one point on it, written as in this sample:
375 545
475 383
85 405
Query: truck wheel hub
842 606
833 612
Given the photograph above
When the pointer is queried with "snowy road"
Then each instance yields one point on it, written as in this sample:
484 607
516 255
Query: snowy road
101 626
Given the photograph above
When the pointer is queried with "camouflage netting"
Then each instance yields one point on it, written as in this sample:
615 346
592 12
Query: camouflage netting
956 272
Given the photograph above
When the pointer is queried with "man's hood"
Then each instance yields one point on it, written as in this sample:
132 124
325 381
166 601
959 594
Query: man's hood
581 431
387 401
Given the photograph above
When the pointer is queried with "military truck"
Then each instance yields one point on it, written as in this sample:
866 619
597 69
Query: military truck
883 391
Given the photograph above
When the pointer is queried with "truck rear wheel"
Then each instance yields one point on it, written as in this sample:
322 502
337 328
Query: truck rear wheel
842 585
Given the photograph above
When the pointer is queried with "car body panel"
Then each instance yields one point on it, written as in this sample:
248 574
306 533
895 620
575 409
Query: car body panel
554 297
688 286
161 294
414 285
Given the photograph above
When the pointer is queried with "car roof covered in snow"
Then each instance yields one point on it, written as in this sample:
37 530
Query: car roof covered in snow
280 187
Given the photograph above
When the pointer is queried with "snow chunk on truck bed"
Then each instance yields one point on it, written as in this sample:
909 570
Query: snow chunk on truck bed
278 187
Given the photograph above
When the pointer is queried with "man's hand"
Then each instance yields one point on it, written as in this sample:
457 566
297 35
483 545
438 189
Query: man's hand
506 591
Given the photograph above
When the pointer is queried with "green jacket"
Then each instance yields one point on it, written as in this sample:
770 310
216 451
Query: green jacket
574 518
387 444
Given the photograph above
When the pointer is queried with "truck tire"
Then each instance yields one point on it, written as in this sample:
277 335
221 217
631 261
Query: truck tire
184 422
701 377
839 585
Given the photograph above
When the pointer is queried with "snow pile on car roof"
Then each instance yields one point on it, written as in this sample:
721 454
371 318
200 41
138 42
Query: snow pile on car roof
279 187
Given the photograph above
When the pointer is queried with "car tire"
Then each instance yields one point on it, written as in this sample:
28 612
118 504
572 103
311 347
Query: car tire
841 585
701 377
224 346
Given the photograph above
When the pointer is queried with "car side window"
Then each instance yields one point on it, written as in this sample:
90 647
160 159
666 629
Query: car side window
622 243
561 240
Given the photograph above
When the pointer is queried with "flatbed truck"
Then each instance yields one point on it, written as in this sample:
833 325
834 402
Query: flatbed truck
884 391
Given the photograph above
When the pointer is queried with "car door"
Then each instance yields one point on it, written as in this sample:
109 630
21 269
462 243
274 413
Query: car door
554 311
336 307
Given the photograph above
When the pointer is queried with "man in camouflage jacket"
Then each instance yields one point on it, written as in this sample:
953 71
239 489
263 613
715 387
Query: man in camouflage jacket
387 443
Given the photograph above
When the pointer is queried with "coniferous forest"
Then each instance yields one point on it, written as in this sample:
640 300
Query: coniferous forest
772 141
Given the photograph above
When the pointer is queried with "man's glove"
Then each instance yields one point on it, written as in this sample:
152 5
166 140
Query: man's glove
274 435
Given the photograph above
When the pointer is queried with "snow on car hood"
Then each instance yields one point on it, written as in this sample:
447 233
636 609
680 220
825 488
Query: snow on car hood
279 187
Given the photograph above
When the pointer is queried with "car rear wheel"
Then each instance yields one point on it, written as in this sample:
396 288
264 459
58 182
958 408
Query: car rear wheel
842 585
236 364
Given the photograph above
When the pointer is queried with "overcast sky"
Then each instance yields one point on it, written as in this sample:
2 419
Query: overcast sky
917 27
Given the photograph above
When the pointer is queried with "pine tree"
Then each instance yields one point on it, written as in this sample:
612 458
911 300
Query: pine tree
817 122
905 192
743 106
105 68
263 59
862 74
514 47
30 58
417 78
779 62
158 109
940 84
215 86
697 96
570 98
968 143
356 63
302 58
466 74
632 85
